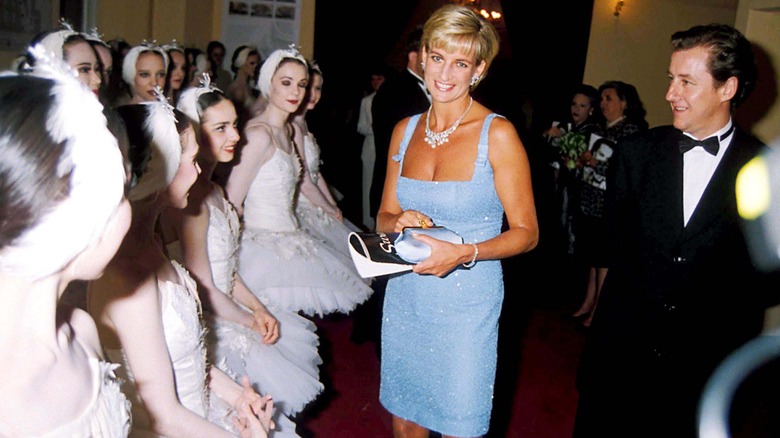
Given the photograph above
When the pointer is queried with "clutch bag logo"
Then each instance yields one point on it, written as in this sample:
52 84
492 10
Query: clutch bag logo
386 244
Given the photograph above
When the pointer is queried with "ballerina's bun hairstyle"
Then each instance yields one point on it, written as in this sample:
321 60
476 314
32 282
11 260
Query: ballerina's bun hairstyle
452 28
128 65
276 59
154 149
60 185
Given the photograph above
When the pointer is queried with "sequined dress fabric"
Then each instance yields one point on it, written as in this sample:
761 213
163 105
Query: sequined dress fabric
280 261
439 335
288 369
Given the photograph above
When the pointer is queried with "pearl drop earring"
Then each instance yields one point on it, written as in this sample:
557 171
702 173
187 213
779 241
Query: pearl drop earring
474 80
422 64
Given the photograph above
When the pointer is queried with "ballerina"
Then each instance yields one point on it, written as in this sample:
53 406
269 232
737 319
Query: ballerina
147 306
62 176
244 334
280 262
144 68
241 91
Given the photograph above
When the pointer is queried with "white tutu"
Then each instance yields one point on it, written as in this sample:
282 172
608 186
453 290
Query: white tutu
282 263
287 370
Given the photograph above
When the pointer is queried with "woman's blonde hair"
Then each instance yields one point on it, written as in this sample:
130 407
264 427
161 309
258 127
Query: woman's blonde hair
453 28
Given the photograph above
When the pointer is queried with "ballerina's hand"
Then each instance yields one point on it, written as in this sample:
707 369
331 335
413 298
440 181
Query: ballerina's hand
265 324
444 257
337 214
252 398
251 425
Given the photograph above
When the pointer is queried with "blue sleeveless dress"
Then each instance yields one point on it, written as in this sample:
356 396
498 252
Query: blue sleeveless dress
439 334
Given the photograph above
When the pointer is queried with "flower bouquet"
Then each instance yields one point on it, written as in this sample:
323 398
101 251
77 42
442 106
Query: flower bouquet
571 145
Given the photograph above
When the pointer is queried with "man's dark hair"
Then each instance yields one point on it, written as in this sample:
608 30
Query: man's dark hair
213 45
731 54
413 41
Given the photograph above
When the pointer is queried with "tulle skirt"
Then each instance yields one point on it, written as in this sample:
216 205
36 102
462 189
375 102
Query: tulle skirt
287 370
294 271
325 227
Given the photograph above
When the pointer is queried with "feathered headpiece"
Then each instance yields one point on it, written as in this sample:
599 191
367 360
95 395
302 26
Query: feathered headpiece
95 165
188 102
173 45
128 65
242 56
272 64
53 42
94 35
155 146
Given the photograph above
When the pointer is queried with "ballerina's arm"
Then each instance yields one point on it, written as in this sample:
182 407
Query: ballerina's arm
259 148
191 225
313 192
130 303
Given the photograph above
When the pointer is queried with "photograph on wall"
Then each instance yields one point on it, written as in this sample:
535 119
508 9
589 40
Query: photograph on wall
285 12
238 8
22 20
262 10
265 24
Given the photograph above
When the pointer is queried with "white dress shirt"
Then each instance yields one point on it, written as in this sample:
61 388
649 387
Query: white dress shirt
698 167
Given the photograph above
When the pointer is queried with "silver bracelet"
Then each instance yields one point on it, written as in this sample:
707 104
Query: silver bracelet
473 261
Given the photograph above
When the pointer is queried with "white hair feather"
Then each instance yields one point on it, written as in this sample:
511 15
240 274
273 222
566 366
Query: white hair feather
53 42
188 103
165 153
95 165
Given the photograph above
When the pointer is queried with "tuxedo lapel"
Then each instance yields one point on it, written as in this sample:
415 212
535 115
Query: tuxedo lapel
719 196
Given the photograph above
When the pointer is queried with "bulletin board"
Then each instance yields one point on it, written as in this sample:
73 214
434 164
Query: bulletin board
265 24
22 20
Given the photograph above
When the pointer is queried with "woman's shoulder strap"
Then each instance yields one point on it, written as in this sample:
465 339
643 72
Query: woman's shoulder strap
482 152
410 126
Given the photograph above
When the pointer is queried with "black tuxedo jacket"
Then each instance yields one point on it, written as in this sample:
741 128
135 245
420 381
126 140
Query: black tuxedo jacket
396 99
677 299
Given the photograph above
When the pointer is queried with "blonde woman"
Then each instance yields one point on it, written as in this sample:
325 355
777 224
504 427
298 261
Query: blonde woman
461 166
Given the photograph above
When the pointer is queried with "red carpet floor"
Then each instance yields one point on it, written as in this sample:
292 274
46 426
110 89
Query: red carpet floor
541 397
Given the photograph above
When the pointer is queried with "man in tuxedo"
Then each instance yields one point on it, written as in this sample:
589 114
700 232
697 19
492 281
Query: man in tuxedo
666 316
400 96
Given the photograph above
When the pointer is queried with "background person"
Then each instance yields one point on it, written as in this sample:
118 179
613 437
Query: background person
665 319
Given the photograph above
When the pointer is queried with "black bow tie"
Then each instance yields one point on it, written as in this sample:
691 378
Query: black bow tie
710 144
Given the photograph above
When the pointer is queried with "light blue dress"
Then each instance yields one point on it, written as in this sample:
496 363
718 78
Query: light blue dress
439 334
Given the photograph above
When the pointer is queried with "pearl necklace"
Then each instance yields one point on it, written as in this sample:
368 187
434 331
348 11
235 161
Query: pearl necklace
439 138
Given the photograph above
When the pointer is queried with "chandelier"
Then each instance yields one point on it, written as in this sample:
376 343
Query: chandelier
485 8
